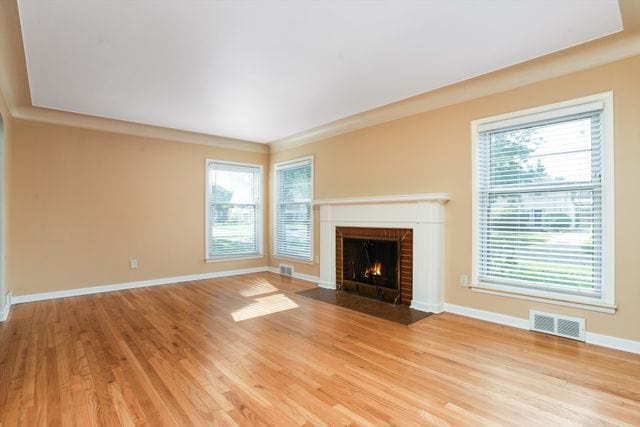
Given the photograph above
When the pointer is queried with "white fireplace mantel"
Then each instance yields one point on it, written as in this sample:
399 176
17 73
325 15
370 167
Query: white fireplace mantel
424 213
432 197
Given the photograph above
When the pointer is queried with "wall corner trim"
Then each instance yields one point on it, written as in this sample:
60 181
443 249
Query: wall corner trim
520 323
4 311
429 308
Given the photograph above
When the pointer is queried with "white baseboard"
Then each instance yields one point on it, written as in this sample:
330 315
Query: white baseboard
4 311
17 299
429 308
489 316
306 277
518 322
613 342
327 285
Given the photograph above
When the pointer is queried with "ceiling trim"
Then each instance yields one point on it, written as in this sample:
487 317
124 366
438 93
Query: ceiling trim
58 117
599 52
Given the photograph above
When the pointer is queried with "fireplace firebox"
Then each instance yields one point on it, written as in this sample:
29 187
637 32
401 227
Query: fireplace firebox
371 262
375 262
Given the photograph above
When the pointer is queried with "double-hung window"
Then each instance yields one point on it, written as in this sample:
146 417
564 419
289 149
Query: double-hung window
543 202
234 210
293 197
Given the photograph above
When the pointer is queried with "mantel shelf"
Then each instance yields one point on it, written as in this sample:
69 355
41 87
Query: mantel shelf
403 198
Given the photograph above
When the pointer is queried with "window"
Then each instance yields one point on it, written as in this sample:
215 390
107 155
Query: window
543 201
234 210
294 193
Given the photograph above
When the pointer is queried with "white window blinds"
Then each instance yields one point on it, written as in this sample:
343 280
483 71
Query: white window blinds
234 206
293 209
540 202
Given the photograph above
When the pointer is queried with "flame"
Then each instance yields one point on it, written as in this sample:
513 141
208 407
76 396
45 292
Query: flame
374 270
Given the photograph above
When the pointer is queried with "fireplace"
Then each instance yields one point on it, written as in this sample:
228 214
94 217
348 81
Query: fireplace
375 262
416 221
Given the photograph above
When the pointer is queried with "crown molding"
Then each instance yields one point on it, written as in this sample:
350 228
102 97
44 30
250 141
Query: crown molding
589 55
45 115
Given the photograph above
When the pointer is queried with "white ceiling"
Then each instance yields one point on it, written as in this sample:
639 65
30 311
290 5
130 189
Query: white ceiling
263 70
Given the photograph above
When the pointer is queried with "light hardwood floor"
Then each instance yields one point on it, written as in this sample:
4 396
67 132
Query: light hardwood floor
248 350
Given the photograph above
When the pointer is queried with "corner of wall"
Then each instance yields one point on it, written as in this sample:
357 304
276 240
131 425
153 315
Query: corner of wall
5 129
5 307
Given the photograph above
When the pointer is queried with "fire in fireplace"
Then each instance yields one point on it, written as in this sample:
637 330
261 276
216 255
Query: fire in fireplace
375 270
370 267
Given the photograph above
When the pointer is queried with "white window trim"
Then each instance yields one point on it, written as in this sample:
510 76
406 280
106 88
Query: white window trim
276 166
260 215
606 303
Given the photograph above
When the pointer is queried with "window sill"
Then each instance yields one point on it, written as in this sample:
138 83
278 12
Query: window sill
300 260
234 258
584 303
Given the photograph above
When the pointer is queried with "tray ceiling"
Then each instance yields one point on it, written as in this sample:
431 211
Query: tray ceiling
263 70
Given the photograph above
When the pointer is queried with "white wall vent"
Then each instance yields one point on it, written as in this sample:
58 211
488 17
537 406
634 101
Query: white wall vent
286 270
557 324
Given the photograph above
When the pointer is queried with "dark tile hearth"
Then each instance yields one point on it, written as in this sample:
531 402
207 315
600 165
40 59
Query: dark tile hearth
395 313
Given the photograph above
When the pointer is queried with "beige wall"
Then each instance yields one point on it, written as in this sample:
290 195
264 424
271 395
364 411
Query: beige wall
84 202
431 152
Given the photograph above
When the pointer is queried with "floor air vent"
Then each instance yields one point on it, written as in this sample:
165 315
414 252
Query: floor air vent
286 270
556 324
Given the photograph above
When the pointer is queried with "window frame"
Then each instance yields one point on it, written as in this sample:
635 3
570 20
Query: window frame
281 165
259 213
606 301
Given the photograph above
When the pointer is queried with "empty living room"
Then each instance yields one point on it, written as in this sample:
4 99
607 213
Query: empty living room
319 212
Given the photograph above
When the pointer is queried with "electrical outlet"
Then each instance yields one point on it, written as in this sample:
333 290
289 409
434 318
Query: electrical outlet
463 280
133 264
316 259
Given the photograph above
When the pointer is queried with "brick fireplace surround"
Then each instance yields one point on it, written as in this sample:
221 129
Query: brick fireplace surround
421 213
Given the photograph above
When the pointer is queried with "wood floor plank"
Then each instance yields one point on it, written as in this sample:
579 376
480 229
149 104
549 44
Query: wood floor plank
248 350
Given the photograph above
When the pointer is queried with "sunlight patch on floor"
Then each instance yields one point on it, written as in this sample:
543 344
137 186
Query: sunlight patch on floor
264 306
258 288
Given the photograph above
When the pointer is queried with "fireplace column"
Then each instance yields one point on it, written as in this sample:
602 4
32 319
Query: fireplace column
327 248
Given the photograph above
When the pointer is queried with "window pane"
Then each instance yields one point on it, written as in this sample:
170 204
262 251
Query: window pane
294 230
234 186
547 153
295 184
549 238
233 230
